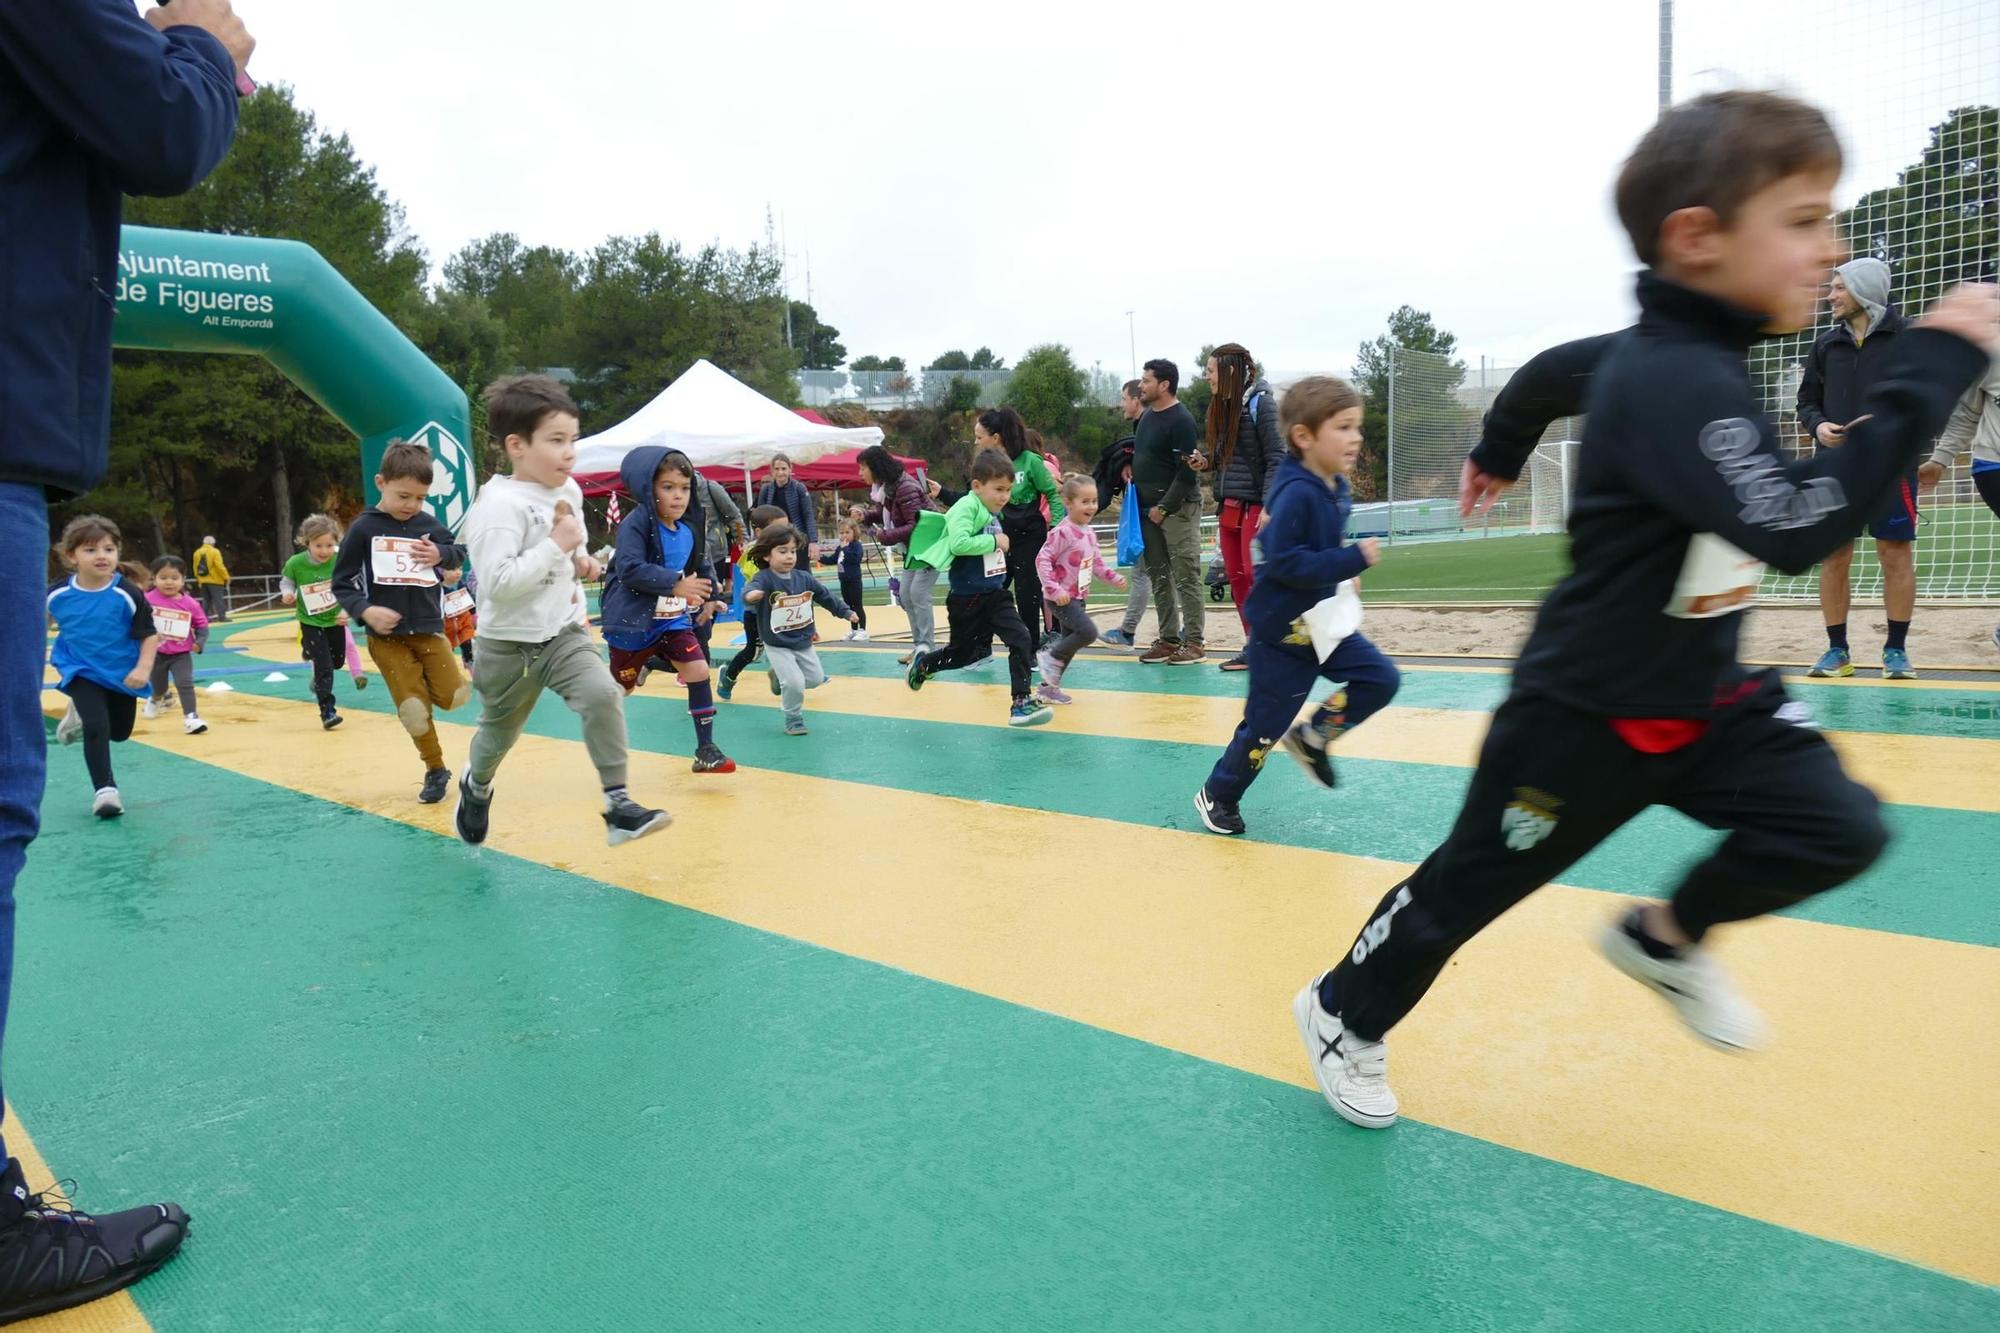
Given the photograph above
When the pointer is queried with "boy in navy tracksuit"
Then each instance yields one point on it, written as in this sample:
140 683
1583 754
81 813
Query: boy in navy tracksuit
1305 563
1628 693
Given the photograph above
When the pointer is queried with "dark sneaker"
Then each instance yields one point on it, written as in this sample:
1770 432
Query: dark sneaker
626 820
1188 654
725 684
1217 816
52 1258
1161 651
1240 662
435 782
710 759
795 727
916 675
471 815
776 688
330 719
1030 713
1302 744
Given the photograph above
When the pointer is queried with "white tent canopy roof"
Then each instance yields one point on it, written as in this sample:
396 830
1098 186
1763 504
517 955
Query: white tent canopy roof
717 420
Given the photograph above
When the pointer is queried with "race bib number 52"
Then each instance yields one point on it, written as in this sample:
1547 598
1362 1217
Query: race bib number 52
394 560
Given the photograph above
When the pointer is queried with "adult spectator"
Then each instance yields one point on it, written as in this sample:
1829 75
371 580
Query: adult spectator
790 494
211 576
1974 427
1113 474
1171 521
95 103
895 499
1844 364
1241 450
723 524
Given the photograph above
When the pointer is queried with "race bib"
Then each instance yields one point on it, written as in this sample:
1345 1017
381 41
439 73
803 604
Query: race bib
1716 579
173 624
667 608
457 602
1083 575
791 611
996 562
394 560
318 597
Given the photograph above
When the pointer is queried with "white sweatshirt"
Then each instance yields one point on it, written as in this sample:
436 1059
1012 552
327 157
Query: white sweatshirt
528 589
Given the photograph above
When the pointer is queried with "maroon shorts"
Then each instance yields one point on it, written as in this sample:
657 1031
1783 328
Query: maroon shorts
669 650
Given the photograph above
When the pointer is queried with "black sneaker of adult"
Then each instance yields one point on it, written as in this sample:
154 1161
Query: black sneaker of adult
52 1258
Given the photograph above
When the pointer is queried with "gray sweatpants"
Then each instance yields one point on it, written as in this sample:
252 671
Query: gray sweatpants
510 677
180 666
1077 631
918 589
797 670
1138 597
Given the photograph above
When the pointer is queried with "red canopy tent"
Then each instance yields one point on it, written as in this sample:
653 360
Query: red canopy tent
835 472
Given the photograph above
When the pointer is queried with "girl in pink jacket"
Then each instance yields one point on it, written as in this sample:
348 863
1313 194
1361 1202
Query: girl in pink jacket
1066 563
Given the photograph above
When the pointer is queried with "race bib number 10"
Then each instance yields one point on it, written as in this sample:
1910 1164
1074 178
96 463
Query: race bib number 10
318 598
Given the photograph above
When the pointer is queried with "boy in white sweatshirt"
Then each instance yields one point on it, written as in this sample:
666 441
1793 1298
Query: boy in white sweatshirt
525 536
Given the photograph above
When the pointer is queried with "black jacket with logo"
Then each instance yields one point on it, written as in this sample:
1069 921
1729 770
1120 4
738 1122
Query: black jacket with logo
1839 371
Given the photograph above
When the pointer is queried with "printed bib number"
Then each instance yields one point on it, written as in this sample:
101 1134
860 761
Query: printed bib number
394 560
318 597
667 608
457 602
172 624
1083 576
996 563
791 611
1716 579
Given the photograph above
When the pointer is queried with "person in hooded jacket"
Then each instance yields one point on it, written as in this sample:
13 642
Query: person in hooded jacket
896 498
1846 362
661 586
1242 452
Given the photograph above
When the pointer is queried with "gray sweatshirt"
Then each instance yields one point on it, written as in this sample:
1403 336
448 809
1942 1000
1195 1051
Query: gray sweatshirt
1974 425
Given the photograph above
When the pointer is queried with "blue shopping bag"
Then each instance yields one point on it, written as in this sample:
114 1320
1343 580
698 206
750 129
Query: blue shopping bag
1131 542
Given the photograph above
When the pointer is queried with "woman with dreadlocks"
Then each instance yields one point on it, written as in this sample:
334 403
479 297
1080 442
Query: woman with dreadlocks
1242 452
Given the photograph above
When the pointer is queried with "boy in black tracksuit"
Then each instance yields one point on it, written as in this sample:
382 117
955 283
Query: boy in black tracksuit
1628 693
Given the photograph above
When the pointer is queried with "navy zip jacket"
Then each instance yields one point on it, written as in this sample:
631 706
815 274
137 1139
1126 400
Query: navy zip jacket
95 104
638 578
796 501
1679 458
1304 558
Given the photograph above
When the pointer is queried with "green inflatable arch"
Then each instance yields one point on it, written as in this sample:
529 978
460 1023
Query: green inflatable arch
184 291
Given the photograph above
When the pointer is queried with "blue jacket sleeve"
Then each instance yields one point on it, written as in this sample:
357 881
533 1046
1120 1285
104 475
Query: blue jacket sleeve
158 109
1290 557
632 559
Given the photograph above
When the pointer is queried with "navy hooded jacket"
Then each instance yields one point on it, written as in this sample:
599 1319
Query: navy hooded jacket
1304 558
639 577
95 104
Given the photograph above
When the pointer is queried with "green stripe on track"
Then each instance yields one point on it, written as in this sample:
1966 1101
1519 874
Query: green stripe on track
402 1084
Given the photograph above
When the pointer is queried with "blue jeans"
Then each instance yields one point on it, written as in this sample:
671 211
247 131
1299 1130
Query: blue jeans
1281 675
24 753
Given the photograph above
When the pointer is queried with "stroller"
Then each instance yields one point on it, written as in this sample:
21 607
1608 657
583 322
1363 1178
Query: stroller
1217 579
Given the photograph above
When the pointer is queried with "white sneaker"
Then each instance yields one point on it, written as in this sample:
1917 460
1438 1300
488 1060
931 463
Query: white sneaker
151 710
193 725
107 805
1353 1074
857 636
1695 985
70 730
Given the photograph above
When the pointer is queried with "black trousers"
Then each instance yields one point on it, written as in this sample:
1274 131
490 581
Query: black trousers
107 716
1553 782
751 641
975 621
1026 533
850 592
1988 486
325 646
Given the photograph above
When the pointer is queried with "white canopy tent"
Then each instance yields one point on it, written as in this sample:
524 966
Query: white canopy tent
717 421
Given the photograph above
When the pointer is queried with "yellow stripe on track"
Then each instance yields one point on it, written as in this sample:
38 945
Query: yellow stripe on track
1871 1123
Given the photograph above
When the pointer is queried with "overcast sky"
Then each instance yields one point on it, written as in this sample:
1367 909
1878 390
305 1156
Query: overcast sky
1278 175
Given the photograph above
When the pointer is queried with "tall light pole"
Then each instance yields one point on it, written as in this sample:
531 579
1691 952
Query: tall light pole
1131 332
1666 55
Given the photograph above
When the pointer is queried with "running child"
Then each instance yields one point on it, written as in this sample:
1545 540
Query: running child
306 583
183 629
783 596
386 579
662 588
848 556
1302 610
1064 565
763 518
104 651
1628 693
526 535
979 608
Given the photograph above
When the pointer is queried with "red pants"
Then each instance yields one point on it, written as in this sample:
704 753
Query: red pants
1239 529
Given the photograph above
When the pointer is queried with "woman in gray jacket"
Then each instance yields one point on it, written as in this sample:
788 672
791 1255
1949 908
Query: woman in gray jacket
1241 451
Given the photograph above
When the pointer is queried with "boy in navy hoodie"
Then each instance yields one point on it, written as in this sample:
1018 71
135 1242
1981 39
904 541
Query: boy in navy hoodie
1305 565
1628 693
660 587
